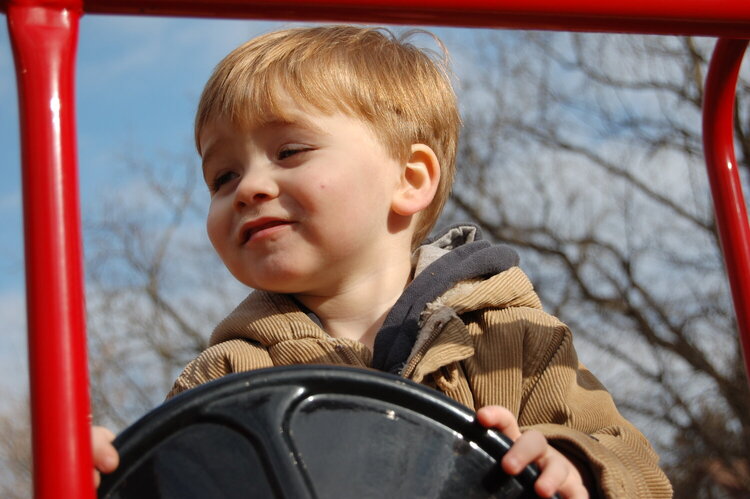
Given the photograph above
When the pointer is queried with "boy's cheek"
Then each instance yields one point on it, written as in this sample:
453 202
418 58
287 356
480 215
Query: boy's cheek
215 228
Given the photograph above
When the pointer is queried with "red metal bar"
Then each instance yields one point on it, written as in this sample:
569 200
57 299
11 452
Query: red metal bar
44 43
729 201
726 18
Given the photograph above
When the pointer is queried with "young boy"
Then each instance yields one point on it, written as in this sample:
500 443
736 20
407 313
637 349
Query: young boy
329 153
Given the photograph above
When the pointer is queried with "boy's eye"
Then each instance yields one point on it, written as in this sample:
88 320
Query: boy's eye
222 179
289 151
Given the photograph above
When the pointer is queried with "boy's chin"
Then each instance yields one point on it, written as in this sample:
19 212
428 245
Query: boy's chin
286 284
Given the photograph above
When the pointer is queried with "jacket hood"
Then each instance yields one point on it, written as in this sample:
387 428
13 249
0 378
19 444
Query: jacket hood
449 271
492 280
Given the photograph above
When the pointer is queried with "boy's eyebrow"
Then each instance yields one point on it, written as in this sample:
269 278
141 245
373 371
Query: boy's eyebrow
296 121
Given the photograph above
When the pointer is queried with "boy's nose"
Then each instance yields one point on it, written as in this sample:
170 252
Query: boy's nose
255 187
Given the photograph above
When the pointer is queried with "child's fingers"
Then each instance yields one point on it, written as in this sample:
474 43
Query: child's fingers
500 418
554 474
559 475
105 455
528 448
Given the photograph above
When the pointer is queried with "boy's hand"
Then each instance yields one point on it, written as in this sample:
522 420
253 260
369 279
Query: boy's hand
557 473
106 458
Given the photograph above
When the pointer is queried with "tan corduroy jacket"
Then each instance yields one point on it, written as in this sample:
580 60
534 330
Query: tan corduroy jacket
483 342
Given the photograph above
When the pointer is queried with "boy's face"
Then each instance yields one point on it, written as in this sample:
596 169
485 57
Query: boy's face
301 205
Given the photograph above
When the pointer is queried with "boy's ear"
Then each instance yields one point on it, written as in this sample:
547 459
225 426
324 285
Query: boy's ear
418 182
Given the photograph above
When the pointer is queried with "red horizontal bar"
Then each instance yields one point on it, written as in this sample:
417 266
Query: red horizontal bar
725 18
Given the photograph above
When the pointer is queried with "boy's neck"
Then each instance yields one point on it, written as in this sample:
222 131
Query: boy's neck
357 310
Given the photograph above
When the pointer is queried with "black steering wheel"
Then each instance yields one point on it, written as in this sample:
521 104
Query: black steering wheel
312 432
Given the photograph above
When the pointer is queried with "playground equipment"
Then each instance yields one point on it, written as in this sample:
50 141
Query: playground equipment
44 37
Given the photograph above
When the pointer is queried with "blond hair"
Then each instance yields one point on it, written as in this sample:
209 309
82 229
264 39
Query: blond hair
402 92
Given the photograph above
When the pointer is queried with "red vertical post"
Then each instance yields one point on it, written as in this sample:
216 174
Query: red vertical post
44 37
726 188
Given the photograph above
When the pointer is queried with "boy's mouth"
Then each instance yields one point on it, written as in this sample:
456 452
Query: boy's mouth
252 228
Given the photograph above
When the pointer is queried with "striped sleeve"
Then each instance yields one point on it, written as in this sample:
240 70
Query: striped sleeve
567 404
